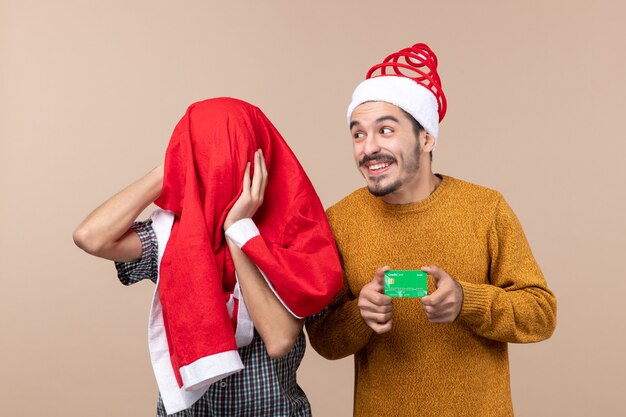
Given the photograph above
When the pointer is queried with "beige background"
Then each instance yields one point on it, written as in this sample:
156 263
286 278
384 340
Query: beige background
90 91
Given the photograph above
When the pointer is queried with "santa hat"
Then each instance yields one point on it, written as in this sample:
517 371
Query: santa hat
407 79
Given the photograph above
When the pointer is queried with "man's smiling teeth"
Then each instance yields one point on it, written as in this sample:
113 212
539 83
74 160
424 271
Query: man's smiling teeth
378 166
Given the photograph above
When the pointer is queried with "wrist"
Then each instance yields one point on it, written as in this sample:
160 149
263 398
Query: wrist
156 181
229 222
241 231
227 225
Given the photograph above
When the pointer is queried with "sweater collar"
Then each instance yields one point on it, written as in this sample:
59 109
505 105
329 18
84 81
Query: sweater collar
419 205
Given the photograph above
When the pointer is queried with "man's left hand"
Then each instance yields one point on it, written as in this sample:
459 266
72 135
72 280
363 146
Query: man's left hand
444 304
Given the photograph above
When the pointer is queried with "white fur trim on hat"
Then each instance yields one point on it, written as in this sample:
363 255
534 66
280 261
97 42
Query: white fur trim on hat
403 92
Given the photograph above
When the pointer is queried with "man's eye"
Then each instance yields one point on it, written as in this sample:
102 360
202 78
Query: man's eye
386 130
358 135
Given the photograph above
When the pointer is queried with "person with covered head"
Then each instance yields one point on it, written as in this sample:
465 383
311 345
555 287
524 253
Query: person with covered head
241 254
444 354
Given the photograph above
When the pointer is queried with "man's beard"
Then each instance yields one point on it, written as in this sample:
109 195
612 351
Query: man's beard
379 190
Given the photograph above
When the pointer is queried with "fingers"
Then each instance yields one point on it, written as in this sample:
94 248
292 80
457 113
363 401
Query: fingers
379 322
375 307
438 310
435 297
374 302
264 171
441 318
436 272
380 328
440 277
246 179
253 190
379 318
445 303
258 178
372 295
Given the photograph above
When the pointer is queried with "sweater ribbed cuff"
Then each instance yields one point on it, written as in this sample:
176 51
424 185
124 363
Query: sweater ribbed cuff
476 302
355 323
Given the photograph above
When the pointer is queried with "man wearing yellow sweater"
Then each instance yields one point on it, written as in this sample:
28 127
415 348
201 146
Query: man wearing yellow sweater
446 353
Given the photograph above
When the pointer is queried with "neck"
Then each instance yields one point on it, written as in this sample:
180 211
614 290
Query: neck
424 185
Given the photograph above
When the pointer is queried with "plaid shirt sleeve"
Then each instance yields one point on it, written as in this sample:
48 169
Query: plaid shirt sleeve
147 267
318 316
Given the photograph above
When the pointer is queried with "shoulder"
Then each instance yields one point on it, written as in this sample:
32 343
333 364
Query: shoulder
473 194
469 189
351 212
473 202
349 206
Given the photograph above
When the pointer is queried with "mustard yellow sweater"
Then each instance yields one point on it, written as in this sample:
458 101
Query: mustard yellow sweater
419 368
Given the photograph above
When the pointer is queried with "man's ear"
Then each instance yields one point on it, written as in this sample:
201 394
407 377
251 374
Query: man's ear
427 141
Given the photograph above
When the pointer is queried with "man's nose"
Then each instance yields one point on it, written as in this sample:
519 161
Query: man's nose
371 146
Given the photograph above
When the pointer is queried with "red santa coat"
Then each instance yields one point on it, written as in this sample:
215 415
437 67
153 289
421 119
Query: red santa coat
290 241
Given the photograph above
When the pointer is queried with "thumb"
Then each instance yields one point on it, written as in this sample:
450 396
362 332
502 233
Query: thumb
379 278
435 272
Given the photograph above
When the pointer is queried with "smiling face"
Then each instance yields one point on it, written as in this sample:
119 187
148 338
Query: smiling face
389 154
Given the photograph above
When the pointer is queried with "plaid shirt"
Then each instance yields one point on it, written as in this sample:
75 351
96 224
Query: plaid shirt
265 387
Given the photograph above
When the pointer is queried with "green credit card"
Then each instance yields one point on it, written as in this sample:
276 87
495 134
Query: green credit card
406 284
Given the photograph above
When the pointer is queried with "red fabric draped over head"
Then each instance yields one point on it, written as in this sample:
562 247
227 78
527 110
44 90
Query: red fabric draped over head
204 167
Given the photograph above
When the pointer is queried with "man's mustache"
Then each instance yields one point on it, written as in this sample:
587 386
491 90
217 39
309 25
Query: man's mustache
376 158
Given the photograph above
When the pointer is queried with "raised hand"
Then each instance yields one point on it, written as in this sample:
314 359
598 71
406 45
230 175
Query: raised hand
251 197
